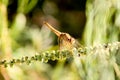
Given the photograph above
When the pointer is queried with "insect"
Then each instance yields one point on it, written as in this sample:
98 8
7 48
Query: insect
65 41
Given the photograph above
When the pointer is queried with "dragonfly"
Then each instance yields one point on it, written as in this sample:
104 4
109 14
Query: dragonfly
65 40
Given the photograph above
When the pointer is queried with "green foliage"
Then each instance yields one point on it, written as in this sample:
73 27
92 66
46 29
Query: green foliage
24 6
101 24
100 60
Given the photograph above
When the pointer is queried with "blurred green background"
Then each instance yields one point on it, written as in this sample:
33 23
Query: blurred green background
22 33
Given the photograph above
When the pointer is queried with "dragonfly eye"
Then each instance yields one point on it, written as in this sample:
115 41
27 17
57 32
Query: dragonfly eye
69 39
